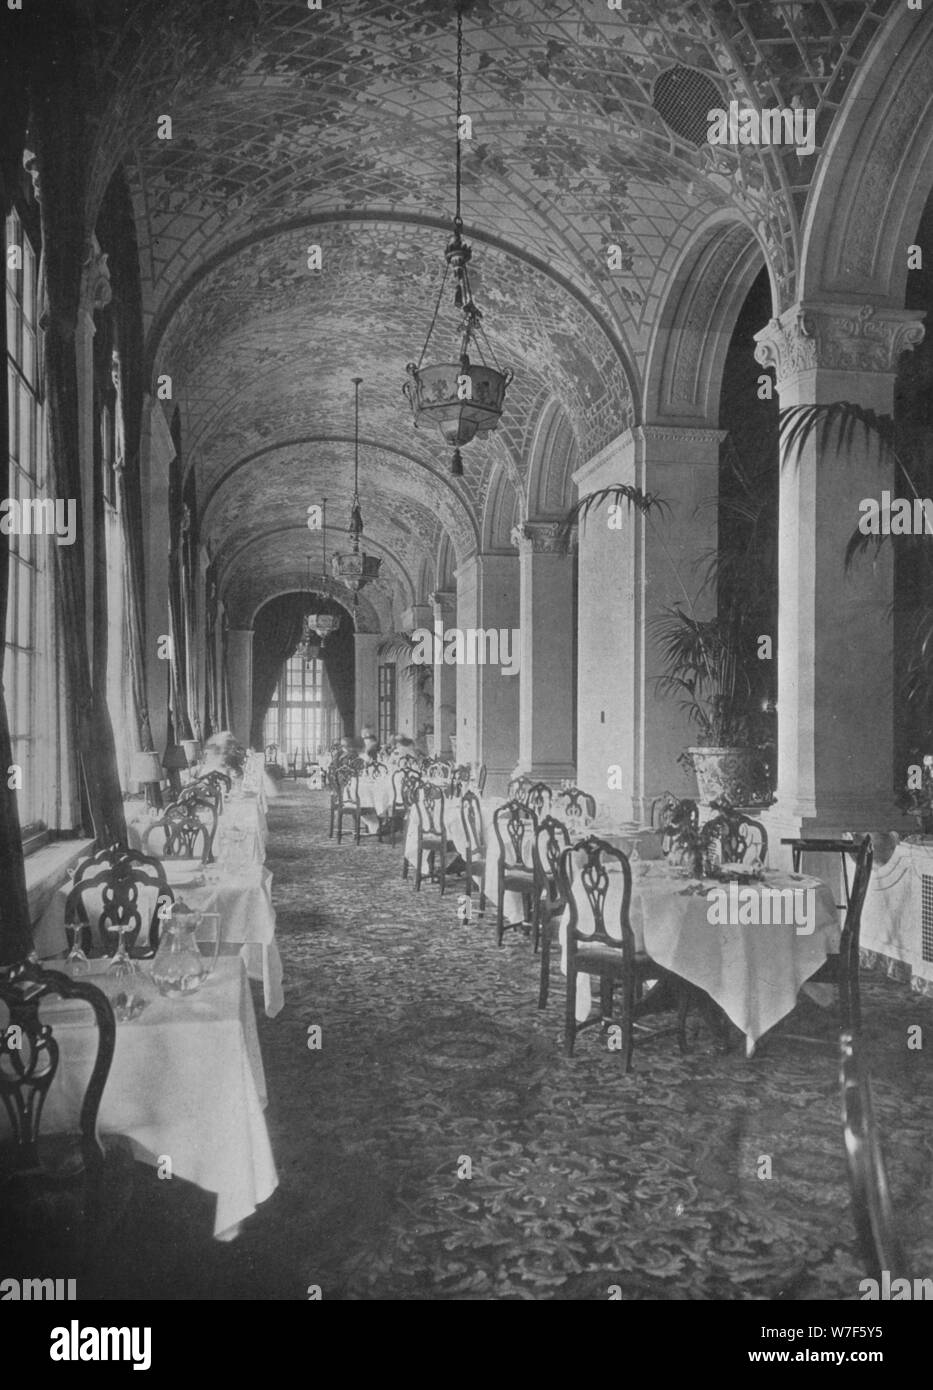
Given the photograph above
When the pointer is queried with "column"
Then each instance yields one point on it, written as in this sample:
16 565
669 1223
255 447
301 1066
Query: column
158 450
487 699
546 692
630 568
366 680
835 636
240 670
444 612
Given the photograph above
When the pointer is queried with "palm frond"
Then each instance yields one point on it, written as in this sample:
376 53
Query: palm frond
835 423
615 495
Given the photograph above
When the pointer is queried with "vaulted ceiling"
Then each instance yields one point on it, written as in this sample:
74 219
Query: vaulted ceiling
334 127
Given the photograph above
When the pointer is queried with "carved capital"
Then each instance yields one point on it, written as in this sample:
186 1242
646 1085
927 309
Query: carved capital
837 337
444 602
31 165
96 292
540 537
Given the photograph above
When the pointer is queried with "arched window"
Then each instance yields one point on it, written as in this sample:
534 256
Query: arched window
300 718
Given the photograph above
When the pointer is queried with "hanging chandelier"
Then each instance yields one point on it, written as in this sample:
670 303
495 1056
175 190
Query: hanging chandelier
356 568
463 398
317 626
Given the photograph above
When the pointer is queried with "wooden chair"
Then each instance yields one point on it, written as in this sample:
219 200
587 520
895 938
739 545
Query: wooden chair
436 770
538 799
182 826
55 1190
575 803
844 848
670 815
405 784
843 969
471 818
461 778
432 833
872 1209
292 768
346 797
614 959
741 840
518 787
552 839
208 794
119 875
516 828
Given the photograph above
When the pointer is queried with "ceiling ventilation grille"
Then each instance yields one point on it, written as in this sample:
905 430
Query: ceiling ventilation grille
683 99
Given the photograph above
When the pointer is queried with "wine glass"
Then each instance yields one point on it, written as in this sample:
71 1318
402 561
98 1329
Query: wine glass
122 965
75 961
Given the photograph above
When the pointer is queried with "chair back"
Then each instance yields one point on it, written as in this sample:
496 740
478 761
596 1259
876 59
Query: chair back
518 787
585 880
183 826
405 784
430 804
437 771
471 817
197 794
373 770
29 1058
871 1201
461 778
552 839
272 752
849 997
670 815
347 781
516 829
121 879
740 838
538 799
408 763
574 803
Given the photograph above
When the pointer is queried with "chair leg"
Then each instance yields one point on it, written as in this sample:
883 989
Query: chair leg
536 924
570 1011
500 912
628 1010
404 867
418 866
340 826
443 868
357 821
545 966
683 1010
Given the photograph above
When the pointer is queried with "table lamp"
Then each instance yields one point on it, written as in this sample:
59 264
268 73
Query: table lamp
174 762
146 770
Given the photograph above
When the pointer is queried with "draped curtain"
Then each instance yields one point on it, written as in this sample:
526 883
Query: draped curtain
277 633
15 927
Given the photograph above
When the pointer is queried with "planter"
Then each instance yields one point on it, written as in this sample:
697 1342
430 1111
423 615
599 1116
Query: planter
739 776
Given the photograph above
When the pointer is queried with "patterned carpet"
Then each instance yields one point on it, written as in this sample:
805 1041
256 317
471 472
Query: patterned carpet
434 1053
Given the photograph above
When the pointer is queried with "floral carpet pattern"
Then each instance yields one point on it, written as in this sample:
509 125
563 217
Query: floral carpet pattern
435 1062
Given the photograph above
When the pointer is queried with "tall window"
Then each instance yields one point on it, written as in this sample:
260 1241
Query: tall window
386 701
28 553
298 716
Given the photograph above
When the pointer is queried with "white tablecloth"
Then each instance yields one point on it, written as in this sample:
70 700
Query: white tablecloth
241 813
186 1083
244 903
754 973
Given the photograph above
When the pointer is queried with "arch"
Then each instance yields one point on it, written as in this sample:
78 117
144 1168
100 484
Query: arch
505 505
687 353
876 173
554 458
364 616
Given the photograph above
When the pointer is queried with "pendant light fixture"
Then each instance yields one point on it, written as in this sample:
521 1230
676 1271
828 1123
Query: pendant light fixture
463 398
356 568
321 624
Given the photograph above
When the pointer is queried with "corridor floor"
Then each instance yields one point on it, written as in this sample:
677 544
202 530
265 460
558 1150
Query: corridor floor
438 1144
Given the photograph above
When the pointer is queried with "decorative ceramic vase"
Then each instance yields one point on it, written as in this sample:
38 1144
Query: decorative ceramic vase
738 776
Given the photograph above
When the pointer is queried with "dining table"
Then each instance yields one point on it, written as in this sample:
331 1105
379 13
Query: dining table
239 892
186 1086
753 972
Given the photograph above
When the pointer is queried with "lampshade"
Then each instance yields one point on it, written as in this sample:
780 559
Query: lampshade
192 750
145 768
175 758
356 568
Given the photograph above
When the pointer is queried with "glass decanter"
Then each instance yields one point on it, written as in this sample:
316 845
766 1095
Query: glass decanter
178 967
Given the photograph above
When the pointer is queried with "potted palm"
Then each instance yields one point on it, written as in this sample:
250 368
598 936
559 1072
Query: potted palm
712 666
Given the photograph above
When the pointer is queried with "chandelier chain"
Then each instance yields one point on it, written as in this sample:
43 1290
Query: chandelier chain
458 219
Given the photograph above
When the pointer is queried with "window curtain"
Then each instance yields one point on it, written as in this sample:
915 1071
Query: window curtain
179 724
15 927
211 723
277 634
60 129
339 668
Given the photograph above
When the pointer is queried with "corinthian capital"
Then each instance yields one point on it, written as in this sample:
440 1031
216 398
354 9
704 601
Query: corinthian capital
837 337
